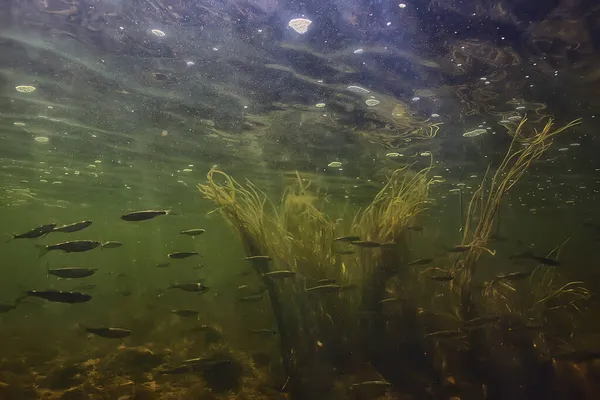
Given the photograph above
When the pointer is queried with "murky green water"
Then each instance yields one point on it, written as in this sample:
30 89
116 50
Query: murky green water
108 107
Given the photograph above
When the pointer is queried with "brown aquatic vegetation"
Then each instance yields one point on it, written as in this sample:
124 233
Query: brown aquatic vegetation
486 200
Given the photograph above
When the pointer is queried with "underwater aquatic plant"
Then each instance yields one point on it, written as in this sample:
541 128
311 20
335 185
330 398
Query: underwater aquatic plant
486 200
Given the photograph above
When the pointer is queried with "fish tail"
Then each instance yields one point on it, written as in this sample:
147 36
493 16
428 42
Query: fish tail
170 212
43 249
12 237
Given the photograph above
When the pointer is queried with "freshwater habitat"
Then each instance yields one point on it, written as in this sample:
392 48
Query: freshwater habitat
301 199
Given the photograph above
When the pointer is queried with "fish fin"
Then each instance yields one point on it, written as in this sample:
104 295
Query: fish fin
169 212
43 249
12 237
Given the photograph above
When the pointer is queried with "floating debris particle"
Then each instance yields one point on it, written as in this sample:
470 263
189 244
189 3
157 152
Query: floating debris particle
334 164
158 32
415 99
357 89
434 115
19 123
393 155
187 170
358 51
98 161
372 102
514 118
425 154
402 5
563 149
41 139
25 88
300 25
320 105
164 133
474 133
575 144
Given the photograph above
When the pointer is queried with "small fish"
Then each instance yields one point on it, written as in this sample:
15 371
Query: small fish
324 289
513 276
190 287
345 252
72 272
163 264
264 331
252 258
280 274
144 215
74 227
109 333
421 261
461 248
415 228
347 239
370 389
390 300
480 322
74 246
365 244
446 334
37 232
388 245
542 260
192 232
182 254
326 282
442 278
111 245
250 299
185 313
60 297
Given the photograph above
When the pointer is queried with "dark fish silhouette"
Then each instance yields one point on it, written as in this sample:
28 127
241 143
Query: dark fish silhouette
111 245
513 276
144 215
182 254
37 232
185 313
578 356
163 264
190 287
72 272
345 252
268 332
347 239
250 299
60 297
280 274
74 246
415 228
192 232
324 289
365 243
74 227
542 260
421 261
326 282
461 248
264 258
109 333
